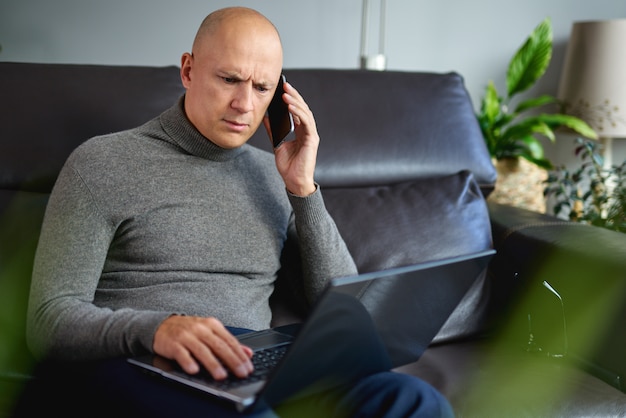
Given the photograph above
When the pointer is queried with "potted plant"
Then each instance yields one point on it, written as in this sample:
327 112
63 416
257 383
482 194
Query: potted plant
591 194
512 132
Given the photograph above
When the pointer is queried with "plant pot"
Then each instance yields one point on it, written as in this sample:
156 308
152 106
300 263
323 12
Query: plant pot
520 183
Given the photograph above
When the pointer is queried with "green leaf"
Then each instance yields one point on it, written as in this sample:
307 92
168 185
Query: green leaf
541 162
535 102
597 159
531 60
534 147
578 125
490 106
529 127
503 120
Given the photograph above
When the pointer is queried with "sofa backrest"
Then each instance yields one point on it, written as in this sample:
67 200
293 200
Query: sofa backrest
49 109
376 127
387 127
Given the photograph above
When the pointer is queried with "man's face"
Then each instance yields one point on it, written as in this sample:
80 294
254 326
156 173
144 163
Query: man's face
230 80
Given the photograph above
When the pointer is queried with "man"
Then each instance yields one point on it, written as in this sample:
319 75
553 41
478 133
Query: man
156 237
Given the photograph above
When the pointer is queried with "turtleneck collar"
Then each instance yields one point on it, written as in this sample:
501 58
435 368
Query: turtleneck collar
182 132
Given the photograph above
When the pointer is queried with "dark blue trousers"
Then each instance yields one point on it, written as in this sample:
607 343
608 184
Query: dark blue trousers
114 388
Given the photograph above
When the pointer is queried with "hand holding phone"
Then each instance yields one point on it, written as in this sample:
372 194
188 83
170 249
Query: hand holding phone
280 119
295 161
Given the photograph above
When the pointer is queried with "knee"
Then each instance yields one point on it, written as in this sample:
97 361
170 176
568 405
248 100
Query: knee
393 394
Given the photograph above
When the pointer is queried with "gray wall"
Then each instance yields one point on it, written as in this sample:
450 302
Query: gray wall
475 38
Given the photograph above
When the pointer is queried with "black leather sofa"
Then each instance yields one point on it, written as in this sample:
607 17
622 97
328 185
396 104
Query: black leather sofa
404 172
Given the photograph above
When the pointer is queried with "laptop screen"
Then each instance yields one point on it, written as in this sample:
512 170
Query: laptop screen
409 305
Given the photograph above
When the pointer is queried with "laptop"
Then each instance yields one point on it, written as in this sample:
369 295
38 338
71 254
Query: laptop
361 325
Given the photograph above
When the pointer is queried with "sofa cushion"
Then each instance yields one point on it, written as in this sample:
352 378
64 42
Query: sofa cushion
417 221
410 222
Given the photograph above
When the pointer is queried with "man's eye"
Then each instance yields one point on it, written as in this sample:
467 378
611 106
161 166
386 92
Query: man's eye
229 80
262 89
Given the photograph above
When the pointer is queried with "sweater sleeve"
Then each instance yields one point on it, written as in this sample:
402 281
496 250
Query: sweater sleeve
323 252
63 321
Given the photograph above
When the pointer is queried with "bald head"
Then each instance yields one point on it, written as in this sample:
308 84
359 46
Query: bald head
232 16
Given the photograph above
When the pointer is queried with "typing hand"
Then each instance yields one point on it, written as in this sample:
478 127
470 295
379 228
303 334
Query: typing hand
196 342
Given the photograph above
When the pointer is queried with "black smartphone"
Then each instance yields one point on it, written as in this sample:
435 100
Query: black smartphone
281 121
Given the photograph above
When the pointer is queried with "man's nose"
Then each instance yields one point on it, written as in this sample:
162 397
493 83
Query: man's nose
243 100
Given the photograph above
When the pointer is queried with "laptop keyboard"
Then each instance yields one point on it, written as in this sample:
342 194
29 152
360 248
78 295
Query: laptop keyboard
263 361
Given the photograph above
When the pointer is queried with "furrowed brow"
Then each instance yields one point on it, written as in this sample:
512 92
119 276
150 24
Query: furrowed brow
264 85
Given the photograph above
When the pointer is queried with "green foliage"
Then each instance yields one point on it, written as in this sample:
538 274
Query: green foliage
531 60
590 194
510 134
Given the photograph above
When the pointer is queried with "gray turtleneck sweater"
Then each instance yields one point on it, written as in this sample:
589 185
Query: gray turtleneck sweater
158 220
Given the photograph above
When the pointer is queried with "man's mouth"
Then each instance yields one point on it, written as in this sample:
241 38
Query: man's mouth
236 126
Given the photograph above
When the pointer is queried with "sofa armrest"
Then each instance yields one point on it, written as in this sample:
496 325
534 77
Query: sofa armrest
561 288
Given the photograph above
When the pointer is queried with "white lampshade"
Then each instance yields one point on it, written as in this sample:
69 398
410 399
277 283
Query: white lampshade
593 80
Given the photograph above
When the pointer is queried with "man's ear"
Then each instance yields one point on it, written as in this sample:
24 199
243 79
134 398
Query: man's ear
186 62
